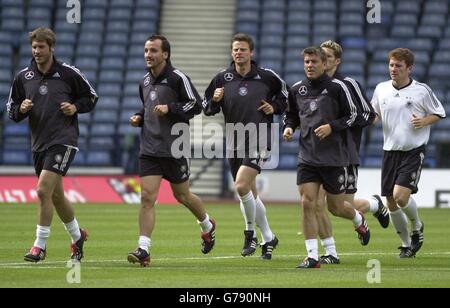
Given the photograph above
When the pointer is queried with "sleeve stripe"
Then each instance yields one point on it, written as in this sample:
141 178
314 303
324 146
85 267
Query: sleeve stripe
433 100
352 106
364 104
76 70
9 104
283 83
189 105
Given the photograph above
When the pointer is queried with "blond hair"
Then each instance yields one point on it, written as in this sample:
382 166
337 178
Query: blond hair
337 49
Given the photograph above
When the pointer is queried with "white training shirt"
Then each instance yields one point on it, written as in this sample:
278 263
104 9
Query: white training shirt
396 109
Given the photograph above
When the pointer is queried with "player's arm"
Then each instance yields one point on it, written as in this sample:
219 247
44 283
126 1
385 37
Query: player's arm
84 95
137 120
280 102
213 98
291 118
368 114
189 104
434 109
348 109
18 106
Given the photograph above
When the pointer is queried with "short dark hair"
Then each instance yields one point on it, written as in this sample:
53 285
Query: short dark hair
402 54
242 37
165 44
315 50
43 34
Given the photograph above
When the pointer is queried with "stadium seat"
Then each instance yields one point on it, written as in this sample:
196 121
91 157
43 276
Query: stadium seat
99 158
15 157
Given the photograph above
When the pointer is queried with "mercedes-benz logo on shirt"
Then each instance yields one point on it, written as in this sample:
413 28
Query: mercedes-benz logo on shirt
29 75
146 81
229 77
303 90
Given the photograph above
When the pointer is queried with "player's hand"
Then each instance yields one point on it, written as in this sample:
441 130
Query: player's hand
418 123
161 110
218 94
68 109
288 134
266 108
26 106
323 131
135 120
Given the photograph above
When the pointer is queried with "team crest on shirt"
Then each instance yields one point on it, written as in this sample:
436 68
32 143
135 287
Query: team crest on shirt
43 90
409 102
29 75
147 81
351 179
153 95
183 169
243 91
313 105
341 179
303 90
229 77
58 158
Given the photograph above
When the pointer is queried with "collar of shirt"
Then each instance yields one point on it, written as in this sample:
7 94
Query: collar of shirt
164 74
50 72
319 81
252 74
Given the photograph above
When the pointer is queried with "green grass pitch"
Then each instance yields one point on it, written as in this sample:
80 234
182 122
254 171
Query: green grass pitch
178 263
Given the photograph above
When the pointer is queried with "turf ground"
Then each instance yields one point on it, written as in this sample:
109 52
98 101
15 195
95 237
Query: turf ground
178 263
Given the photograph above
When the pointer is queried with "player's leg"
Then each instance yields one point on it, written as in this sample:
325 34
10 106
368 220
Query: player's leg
326 230
147 215
375 206
46 185
309 193
244 181
270 241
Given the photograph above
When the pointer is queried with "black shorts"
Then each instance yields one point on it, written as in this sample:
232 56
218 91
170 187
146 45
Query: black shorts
174 170
402 169
352 180
236 163
333 179
57 159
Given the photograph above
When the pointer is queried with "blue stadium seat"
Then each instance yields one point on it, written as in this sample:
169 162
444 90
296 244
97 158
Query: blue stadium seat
127 130
115 51
442 56
111 89
403 31
93 26
111 76
80 158
274 5
108 103
6 63
141 26
134 76
352 6
324 6
5 76
13 129
434 19
94 14
148 4
112 63
429 31
96 4
407 19
15 157
102 143
102 129
273 64
247 16
273 16
351 30
248 4
123 4
299 29
358 55
132 103
99 158
408 7
436 7
298 17
17 143
86 63
120 14
297 42
146 14
104 116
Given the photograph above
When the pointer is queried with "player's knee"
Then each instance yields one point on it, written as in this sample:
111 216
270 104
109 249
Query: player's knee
401 199
335 211
308 204
182 197
43 193
242 188
148 199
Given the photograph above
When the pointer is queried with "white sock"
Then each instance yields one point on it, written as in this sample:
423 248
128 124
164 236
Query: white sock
74 230
206 224
262 222
357 220
42 235
411 211
312 247
249 211
145 243
400 222
330 247
373 205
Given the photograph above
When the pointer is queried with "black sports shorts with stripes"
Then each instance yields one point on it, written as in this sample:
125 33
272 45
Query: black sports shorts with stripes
174 170
57 159
333 179
402 169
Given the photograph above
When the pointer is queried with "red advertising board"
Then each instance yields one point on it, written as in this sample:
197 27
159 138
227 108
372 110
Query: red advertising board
83 189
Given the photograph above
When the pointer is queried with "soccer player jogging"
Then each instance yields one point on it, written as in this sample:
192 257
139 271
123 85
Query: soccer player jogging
373 205
248 95
324 110
51 94
407 109
168 98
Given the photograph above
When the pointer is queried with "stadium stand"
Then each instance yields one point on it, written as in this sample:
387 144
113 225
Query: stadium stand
107 47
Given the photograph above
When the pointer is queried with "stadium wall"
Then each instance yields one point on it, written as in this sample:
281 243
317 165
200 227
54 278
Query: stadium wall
434 186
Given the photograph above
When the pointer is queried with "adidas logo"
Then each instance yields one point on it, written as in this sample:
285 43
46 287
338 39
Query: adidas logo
324 92
57 75
351 187
164 81
258 77
56 167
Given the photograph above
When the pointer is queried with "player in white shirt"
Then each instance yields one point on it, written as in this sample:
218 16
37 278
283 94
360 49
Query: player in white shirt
407 109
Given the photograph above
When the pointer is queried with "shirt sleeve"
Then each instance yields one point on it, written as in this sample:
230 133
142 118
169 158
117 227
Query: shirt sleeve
190 102
349 110
432 104
16 97
367 115
376 102
280 102
291 118
210 107
84 95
